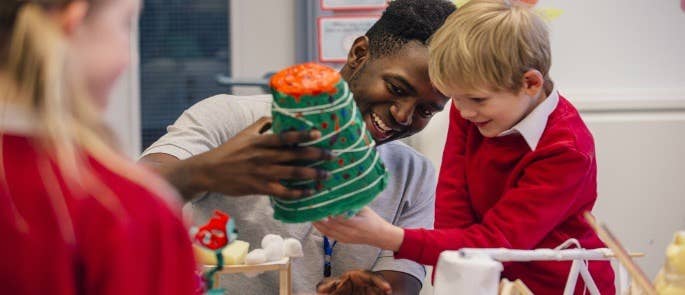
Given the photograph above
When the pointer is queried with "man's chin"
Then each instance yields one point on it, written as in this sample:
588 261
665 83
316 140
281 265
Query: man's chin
392 137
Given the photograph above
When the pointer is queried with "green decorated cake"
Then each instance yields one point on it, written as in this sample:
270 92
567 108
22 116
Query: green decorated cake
312 96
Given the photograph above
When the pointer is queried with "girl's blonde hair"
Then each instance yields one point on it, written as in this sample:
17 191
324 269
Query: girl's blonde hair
489 44
67 124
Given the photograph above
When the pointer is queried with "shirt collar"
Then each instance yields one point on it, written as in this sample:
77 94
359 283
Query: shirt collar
533 125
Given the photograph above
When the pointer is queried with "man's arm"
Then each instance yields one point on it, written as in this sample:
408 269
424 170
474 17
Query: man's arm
182 174
219 144
249 163
417 211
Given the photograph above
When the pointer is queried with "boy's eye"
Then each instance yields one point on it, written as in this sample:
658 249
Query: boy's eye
478 99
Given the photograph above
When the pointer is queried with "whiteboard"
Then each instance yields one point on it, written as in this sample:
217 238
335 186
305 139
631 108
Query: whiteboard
613 53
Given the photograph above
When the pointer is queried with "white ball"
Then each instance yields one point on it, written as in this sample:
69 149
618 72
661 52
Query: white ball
256 256
274 251
293 248
271 238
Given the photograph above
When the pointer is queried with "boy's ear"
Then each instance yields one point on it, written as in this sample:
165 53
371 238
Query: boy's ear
72 16
533 82
359 53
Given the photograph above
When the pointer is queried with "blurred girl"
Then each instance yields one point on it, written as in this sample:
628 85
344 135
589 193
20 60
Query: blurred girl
76 216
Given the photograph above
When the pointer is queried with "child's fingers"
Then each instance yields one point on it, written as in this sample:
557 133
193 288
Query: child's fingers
342 224
349 232
321 226
364 211
327 229
339 218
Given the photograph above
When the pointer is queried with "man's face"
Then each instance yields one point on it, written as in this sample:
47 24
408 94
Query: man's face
394 93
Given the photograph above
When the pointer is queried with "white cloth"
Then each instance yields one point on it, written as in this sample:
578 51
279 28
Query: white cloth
475 275
533 125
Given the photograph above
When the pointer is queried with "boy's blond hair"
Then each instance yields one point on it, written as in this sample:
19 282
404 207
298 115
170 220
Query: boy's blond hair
489 44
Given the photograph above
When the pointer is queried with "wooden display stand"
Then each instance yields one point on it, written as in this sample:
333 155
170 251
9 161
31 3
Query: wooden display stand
282 266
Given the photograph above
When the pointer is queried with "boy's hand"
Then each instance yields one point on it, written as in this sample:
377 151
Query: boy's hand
355 282
364 228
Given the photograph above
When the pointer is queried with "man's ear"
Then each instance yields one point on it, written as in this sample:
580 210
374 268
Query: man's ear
533 82
359 53
71 16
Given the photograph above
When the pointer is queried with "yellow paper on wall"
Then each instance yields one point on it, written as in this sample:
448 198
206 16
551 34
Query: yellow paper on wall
459 3
550 14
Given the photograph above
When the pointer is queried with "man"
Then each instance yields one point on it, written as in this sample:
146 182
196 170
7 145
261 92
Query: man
387 70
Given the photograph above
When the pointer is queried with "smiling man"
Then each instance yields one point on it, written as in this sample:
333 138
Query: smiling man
207 150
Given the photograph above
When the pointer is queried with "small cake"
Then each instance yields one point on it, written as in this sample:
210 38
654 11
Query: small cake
312 96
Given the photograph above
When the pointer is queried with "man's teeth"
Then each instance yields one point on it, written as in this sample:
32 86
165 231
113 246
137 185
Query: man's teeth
380 123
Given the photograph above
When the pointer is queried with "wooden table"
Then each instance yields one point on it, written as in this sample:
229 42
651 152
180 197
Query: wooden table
282 266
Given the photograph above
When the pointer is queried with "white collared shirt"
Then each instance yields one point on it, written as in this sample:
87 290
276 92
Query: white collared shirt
533 125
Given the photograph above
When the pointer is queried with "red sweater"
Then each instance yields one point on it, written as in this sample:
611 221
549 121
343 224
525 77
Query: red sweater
496 192
70 242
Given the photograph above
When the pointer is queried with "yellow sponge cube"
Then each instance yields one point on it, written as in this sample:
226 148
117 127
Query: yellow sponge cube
233 254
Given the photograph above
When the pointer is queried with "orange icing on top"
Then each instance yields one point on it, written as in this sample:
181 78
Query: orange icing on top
306 79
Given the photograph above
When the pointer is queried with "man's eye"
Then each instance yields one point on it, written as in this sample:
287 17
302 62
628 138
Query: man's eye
425 112
395 90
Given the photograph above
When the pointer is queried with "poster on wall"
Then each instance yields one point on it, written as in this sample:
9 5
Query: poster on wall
337 33
353 4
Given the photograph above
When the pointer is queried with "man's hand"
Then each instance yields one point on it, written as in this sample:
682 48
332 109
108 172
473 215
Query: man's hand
249 163
355 282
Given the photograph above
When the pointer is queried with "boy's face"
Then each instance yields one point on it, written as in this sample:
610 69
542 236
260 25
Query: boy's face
394 93
493 112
